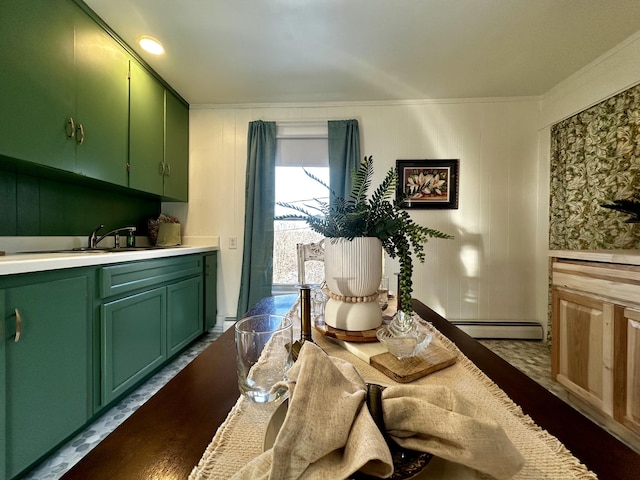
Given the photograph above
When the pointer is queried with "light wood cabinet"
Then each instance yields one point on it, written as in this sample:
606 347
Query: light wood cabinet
627 395
595 351
582 345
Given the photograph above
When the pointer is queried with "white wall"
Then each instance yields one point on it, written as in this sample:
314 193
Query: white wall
485 273
497 267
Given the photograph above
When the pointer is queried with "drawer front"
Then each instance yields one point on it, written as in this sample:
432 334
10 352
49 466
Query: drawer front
128 277
618 282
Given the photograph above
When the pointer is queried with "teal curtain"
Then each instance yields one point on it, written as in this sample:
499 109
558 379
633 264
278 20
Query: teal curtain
257 257
344 155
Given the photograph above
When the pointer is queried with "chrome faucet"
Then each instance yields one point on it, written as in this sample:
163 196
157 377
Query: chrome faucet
94 240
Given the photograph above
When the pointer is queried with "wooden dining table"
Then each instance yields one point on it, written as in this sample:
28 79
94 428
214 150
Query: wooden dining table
166 437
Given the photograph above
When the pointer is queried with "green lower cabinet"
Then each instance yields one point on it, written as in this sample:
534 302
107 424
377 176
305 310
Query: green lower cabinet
45 365
134 340
184 306
74 341
150 311
210 290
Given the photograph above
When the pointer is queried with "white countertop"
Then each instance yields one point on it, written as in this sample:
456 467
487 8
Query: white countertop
39 262
624 257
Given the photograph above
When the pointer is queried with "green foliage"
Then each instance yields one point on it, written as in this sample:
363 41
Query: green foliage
379 215
629 206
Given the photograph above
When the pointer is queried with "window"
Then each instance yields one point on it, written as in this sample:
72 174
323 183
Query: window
293 156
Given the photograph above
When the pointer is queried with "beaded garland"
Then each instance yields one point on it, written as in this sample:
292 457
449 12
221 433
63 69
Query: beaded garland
342 298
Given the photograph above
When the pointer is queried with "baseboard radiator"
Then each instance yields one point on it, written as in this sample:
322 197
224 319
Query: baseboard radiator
501 330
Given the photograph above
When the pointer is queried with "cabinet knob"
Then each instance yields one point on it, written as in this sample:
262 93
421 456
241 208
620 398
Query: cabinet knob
18 325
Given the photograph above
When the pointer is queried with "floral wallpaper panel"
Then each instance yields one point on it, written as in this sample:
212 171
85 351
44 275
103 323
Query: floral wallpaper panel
595 159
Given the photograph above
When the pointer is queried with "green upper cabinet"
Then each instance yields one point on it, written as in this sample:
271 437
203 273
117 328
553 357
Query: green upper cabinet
37 81
64 90
159 138
102 108
146 140
68 102
176 153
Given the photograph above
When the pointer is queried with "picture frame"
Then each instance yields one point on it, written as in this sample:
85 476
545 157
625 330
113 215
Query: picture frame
428 184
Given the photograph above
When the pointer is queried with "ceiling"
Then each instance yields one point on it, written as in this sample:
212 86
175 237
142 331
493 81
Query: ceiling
275 51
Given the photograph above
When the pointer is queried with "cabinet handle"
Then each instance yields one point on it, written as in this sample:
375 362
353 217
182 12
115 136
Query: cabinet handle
80 138
18 325
72 131
162 169
168 170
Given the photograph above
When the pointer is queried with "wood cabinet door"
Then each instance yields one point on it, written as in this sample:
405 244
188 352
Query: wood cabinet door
47 371
176 155
146 131
583 347
628 371
102 110
133 340
37 81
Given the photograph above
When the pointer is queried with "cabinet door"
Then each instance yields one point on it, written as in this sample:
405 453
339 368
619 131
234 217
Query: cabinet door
176 155
37 81
133 340
628 371
210 290
583 347
146 127
47 371
184 306
5 337
102 109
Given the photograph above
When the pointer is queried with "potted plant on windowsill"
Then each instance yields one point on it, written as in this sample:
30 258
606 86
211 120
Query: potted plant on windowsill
378 216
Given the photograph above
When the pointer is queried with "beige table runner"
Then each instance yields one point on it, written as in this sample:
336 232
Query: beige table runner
240 438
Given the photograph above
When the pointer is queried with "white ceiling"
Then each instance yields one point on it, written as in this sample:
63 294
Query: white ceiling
268 51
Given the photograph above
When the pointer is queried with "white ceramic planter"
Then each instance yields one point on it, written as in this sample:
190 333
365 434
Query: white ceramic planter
353 268
354 317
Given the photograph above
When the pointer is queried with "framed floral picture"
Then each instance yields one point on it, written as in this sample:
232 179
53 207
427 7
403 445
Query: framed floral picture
428 183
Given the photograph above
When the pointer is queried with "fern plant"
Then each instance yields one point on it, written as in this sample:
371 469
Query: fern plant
629 206
378 215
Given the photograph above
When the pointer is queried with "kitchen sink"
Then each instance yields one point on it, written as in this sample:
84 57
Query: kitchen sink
134 249
68 250
87 250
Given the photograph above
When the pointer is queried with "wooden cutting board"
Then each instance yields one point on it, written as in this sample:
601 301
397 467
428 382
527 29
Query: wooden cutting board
407 370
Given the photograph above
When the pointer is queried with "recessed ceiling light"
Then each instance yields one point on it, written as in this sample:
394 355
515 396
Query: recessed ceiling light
151 45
